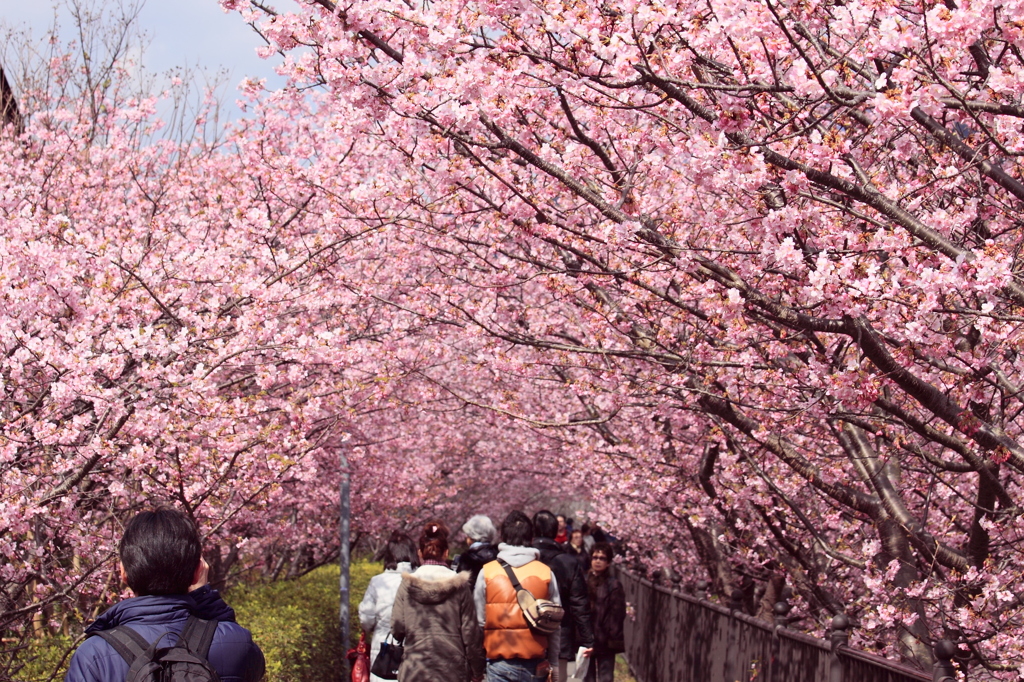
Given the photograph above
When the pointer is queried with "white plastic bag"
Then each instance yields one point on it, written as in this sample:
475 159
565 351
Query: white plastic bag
582 663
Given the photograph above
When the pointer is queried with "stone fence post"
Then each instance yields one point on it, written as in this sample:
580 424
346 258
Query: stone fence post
944 652
840 637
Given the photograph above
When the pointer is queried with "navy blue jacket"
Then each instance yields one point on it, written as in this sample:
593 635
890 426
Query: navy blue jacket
233 654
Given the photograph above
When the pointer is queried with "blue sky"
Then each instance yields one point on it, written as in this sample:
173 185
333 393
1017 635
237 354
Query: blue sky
181 33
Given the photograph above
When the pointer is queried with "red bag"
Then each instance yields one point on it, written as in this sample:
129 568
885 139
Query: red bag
360 660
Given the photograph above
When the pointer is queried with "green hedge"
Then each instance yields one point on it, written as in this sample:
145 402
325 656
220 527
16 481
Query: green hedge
295 622
42 660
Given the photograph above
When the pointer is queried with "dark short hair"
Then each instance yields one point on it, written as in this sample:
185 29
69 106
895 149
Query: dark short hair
545 524
517 529
400 549
603 548
434 541
160 551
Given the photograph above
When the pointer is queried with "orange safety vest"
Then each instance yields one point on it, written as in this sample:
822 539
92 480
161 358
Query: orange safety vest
506 634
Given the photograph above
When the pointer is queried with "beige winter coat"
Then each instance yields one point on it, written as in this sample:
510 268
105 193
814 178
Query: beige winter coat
435 615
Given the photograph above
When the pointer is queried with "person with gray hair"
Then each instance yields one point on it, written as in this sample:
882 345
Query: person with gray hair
480 536
479 528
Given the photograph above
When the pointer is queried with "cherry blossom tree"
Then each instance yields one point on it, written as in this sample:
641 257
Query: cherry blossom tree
175 331
744 274
756 263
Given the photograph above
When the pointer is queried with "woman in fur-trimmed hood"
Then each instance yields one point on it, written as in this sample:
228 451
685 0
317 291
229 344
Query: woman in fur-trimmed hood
435 615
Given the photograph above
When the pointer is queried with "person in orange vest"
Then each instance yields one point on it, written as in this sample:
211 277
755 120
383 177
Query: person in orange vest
514 652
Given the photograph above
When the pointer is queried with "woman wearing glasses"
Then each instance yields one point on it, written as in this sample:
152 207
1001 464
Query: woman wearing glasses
608 612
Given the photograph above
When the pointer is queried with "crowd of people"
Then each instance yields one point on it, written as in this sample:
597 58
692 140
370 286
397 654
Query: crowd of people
528 608
475 616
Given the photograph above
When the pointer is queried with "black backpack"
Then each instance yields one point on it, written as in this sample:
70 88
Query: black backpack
183 662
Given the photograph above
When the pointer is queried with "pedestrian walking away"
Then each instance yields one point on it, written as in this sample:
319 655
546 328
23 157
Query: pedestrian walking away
161 562
435 617
400 557
576 631
481 537
515 653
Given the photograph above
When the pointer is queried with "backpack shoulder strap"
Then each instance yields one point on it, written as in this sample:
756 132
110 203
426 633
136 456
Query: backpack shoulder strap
197 636
512 576
146 665
125 641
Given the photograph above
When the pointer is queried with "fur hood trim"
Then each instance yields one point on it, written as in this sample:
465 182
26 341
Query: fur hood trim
427 591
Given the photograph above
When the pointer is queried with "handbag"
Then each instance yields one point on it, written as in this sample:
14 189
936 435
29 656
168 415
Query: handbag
388 660
542 615
360 658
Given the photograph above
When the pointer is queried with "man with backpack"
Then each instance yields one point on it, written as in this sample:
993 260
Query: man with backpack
520 646
176 627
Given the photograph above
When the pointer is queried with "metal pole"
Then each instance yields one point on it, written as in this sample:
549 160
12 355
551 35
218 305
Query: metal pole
343 539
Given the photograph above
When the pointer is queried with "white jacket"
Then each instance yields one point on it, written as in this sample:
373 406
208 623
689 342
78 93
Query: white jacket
375 609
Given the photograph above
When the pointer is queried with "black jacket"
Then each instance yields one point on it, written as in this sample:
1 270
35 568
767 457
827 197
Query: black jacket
608 601
581 556
572 587
474 558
